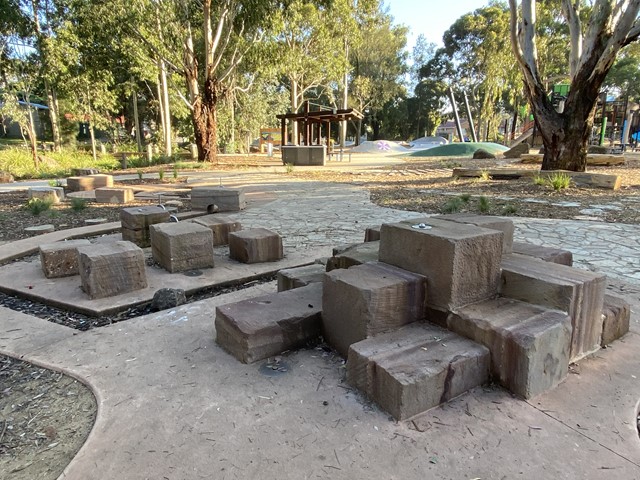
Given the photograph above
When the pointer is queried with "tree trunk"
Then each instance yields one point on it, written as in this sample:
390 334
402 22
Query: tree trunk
205 120
565 139
294 109
53 116
166 114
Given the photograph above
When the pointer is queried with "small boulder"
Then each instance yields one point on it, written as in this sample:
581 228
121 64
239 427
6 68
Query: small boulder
168 298
517 150
482 154
6 177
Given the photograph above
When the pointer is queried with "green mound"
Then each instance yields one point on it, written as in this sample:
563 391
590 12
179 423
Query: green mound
466 149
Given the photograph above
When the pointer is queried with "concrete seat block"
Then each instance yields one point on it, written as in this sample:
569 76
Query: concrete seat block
355 254
616 315
461 262
114 195
135 223
529 344
548 254
224 199
578 292
109 269
372 234
255 245
416 367
369 299
182 246
290 278
220 226
261 327
80 183
54 194
501 224
60 259
101 180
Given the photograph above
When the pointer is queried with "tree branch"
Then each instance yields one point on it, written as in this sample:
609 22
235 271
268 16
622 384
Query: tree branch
571 11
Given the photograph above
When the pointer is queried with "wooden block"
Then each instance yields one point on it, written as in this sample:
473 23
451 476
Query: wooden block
60 259
114 195
255 245
262 327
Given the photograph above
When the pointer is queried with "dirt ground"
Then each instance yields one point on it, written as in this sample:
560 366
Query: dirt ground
46 416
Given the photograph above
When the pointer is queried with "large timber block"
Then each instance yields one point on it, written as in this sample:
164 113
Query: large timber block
461 262
60 259
255 245
261 327
416 367
114 195
108 269
220 226
80 183
100 180
182 246
290 278
52 194
369 299
372 234
529 344
135 223
486 221
355 254
218 199
548 254
616 314
84 171
578 292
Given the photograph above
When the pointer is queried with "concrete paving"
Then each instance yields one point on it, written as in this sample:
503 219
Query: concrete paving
172 404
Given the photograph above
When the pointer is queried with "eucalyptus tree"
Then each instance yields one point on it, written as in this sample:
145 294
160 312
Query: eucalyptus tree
598 30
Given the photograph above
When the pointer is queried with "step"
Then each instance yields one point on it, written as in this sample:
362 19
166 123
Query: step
290 278
529 344
578 292
352 255
416 367
255 329
548 254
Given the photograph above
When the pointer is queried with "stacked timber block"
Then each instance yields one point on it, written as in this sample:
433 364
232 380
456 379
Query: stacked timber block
351 255
461 262
547 254
109 269
114 195
60 259
616 315
255 245
218 199
369 299
89 182
485 221
416 367
52 194
262 327
578 292
290 278
182 246
220 227
136 221
529 344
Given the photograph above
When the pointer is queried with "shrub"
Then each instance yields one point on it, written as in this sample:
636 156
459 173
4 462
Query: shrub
539 180
484 176
139 172
483 204
161 175
465 197
38 205
509 209
288 167
559 181
78 204
175 171
452 205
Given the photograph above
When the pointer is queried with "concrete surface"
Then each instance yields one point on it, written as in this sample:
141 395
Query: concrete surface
173 405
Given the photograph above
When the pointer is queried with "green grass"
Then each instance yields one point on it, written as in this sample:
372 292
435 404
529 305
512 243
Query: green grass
78 204
559 181
453 205
484 176
509 209
289 168
161 174
465 197
19 163
539 180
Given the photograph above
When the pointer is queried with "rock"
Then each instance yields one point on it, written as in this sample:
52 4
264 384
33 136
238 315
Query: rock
38 229
220 199
616 314
255 245
182 246
482 154
60 259
96 221
501 224
517 150
6 177
290 278
548 254
168 298
354 254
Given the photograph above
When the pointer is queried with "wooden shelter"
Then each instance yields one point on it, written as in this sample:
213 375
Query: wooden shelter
311 123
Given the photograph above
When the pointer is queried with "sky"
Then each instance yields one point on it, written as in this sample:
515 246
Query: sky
430 17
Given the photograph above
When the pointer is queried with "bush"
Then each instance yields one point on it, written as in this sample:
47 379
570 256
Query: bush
509 209
559 181
288 167
38 205
78 204
465 197
453 205
161 175
539 180
483 204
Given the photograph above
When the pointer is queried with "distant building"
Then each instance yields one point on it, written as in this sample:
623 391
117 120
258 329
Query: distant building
41 121
448 129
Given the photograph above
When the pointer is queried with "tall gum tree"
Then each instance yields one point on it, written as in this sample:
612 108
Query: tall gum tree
594 45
